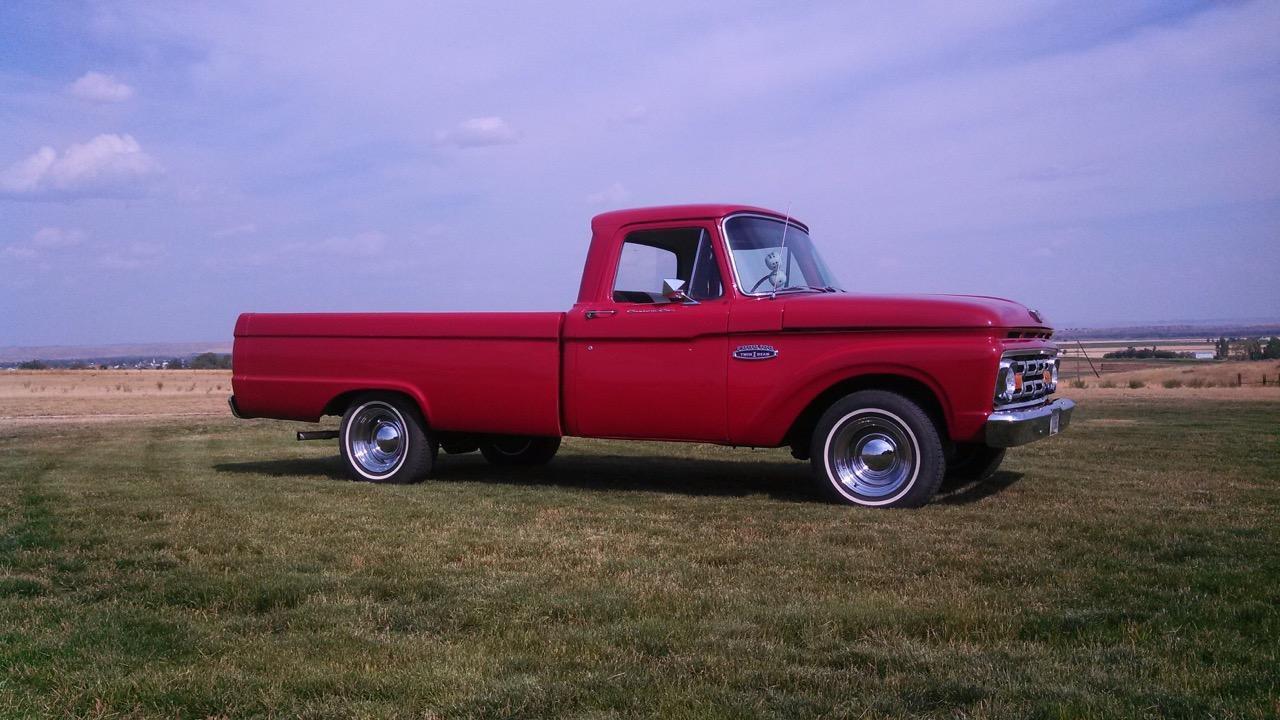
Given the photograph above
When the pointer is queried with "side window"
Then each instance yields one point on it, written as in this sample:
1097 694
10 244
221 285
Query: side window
641 272
651 256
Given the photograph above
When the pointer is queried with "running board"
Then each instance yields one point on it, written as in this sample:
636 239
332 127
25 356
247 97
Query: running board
318 435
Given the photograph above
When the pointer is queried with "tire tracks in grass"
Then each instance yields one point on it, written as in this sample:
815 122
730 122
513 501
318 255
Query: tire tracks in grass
34 528
56 618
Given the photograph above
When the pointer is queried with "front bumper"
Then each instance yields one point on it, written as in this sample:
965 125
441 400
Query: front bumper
1008 428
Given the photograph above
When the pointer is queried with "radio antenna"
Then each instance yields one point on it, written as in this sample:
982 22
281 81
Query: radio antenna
782 251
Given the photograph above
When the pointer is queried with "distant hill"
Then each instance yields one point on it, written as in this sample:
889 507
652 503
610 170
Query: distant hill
15 354
12 355
1155 332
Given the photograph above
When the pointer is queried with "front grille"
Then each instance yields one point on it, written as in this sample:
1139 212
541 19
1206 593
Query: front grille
1033 379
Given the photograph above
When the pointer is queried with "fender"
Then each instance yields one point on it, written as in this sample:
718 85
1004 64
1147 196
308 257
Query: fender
390 386
766 398
309 399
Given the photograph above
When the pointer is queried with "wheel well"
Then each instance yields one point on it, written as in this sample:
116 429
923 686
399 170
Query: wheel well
802 429
339 404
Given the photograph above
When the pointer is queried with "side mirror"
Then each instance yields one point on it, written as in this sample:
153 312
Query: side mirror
673 290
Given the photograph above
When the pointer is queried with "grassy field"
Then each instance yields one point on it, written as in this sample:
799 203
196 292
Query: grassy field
191 566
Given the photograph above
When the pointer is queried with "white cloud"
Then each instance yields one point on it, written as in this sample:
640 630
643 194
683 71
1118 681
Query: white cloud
19 251
99 87
135 255
478 132
361 250
45 239
358 245
615 194
234 230
632 115
107 165
55 237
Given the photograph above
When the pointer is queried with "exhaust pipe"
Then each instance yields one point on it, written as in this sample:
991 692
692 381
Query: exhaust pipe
318 435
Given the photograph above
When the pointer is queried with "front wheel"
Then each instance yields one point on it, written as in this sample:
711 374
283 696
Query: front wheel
383 439
519 450
877 449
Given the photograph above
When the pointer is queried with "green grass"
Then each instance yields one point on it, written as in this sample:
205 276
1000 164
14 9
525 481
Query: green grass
1128 568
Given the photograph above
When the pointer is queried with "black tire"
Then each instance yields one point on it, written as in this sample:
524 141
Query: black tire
972 463
371 458
877 449
519 449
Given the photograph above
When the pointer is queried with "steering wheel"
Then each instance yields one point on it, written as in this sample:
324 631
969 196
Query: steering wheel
761 281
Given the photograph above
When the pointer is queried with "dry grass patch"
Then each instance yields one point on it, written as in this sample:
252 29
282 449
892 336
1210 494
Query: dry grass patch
1203 380
80 395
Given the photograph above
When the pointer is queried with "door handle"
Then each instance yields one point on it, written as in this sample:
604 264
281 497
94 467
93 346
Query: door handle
593 314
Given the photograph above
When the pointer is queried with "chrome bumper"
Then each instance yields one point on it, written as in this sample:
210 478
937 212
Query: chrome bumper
1008 428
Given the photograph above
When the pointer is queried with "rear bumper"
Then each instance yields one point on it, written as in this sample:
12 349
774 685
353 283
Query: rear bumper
235 409
1009 428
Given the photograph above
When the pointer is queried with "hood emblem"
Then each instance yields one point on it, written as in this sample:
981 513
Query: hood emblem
755 352
1035 315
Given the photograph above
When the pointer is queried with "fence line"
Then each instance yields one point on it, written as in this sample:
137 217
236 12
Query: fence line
1264 381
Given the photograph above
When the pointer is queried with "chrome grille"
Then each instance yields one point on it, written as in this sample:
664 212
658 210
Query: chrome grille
1033 379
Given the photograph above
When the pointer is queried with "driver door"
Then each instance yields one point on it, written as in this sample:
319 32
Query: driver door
641 366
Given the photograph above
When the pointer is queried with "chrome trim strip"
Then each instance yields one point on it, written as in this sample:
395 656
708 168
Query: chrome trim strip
1034 352
1024 404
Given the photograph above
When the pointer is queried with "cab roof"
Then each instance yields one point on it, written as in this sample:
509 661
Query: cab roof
606 223
605 228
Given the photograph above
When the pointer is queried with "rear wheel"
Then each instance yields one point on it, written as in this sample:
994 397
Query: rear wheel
519 449
877 449
383 439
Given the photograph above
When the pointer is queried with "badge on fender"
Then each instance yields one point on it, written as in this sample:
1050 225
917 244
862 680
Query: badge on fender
755 352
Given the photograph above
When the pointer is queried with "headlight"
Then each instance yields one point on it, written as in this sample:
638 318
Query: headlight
1053 379
1006 383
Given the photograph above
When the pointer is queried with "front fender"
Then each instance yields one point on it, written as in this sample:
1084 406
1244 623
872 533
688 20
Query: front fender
767 396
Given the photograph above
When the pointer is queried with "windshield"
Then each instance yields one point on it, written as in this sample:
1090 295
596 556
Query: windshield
764 265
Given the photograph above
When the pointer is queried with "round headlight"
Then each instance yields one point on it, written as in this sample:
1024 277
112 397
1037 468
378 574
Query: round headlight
1006 385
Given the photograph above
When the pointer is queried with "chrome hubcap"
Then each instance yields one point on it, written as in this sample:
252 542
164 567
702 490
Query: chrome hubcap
387 438
376 438
871 455
877 453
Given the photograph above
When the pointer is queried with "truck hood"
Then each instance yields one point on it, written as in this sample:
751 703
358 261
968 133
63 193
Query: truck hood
812 311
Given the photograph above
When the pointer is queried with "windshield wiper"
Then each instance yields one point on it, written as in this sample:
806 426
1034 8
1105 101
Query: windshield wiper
807 287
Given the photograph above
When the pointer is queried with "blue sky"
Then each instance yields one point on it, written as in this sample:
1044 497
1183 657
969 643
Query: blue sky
165 166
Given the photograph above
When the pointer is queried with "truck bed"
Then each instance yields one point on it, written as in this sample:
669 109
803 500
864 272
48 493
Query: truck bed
460 367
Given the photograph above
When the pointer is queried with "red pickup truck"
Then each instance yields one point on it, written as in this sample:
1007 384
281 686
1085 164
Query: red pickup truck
700 323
